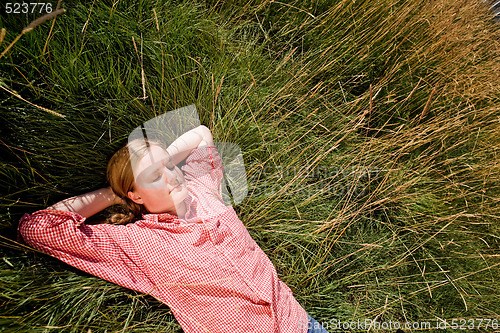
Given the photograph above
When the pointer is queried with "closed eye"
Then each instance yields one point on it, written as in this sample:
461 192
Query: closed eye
156 176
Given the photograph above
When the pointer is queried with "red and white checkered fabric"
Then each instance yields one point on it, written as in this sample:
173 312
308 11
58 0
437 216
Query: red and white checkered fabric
206 267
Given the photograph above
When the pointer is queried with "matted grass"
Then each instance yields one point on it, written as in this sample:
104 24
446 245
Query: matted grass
370 132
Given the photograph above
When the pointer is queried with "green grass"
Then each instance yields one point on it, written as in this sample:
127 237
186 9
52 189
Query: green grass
369 131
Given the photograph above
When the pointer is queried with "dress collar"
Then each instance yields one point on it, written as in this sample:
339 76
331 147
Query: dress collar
163 218
170 218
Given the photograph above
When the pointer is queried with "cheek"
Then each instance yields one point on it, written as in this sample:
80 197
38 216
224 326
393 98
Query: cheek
154 197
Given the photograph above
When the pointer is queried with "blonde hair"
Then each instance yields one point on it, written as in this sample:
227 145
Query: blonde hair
120 177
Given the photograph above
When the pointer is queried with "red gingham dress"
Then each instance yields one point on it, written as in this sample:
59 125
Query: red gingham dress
205 267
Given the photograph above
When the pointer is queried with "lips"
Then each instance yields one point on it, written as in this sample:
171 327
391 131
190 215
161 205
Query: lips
178 186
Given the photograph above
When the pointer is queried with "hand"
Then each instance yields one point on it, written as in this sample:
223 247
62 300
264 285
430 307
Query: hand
183 145
115 200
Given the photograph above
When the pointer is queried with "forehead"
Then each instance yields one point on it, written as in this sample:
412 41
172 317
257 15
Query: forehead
154 156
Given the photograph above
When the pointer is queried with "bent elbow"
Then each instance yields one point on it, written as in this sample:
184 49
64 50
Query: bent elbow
206 134
27 230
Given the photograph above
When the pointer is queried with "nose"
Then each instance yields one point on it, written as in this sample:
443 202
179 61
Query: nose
171 177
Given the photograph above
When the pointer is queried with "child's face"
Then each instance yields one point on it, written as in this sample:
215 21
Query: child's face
159 185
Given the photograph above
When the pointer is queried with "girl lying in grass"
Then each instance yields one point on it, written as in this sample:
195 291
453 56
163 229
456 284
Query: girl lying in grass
188 250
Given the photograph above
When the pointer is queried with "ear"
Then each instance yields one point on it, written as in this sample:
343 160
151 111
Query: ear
135 197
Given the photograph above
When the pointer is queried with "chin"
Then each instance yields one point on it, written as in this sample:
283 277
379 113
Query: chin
180 194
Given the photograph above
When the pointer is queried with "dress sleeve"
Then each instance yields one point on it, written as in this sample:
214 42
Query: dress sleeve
204 168
203 173
100 250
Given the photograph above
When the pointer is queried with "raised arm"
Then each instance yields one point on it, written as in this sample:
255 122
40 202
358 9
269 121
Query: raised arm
183 145
102 250
89 203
